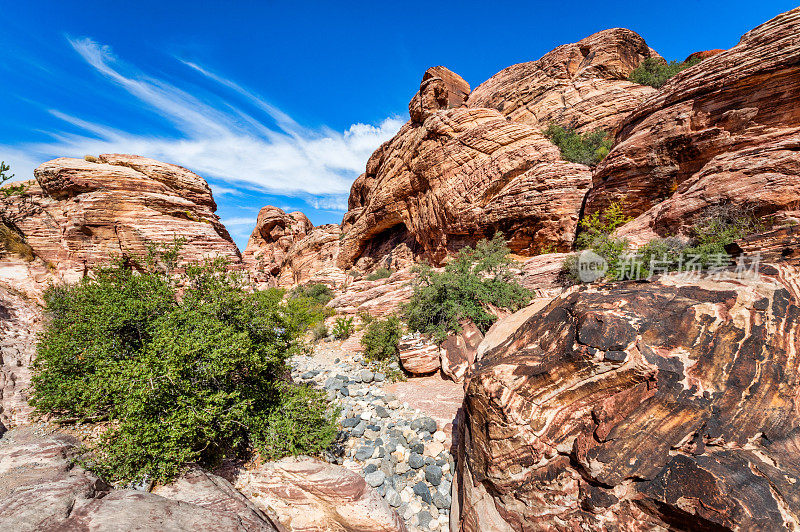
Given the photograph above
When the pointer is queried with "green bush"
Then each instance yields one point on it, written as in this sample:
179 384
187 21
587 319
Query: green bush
343 328
320 293
380 273
194 379
583 148
473 280
720 226
381 339
656 72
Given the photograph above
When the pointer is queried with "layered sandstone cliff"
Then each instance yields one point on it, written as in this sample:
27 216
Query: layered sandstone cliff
726 131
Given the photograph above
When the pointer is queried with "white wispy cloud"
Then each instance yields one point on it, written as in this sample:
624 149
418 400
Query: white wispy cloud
216 138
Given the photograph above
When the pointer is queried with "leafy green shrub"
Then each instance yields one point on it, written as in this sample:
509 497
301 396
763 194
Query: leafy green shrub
656 72
343 327
380 273
183 380
320 293
473 280
381 339
366 318
583 148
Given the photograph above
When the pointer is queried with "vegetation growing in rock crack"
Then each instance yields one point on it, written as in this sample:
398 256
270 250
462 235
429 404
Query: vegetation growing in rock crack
475 279
584 148
705 242
194 377
380 273
381 339
655 72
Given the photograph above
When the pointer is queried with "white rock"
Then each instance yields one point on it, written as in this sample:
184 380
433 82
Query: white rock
439 436
415 505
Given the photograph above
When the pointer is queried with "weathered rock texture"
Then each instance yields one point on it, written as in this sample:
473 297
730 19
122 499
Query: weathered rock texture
286 249
660 405
41 489
419 357
378 298
80 214
452 176
310 495
20 322
457 352
582 85
724 131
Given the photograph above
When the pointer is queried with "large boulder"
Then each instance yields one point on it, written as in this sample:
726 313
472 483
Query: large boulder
457 176
309 495
41 489
79 214
583 85
724 131
457 353
666 405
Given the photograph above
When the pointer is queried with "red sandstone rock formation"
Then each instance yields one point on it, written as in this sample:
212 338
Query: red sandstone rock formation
582 85
724 131
42 489
660 405
310 495
460 175
457 352
419 357
705 54
286 249
79 214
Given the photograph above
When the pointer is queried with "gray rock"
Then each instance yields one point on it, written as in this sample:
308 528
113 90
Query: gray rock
424 518
382 413
345 391
366 375
424 424
359 429
416 460
379 377
393 498
350 422
418 448
422 491
375 479
364 452
371 468
433 474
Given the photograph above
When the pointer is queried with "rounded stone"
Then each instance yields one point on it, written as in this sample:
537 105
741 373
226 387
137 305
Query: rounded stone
375 479
416 460
433 474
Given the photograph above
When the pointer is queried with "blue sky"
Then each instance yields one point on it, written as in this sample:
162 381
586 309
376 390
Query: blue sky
279 102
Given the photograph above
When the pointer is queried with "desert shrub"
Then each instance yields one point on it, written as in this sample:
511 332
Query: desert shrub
320 293
473 280
584 148
381 339
380 273
366 318
11 241
343 327
190 379
656 72
319 330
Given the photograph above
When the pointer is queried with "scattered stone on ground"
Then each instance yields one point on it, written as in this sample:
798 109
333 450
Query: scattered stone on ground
397 435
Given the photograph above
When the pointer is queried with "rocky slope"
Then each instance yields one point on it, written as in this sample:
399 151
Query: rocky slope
724 131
